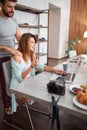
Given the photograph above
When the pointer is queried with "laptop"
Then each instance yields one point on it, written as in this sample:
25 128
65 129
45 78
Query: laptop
68 78
70 75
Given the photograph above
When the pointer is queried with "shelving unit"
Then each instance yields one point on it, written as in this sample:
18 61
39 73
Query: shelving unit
29 9
39 26
31 26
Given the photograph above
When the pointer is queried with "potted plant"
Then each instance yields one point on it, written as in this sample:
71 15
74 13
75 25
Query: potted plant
70 48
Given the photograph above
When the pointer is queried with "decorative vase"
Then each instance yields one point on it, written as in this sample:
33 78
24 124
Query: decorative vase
72 53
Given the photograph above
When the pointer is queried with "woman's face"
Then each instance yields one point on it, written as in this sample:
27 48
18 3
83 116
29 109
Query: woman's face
31 44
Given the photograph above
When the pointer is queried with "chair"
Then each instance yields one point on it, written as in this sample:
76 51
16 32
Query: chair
7 69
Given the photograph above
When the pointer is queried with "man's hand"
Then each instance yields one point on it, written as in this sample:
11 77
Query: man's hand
13 51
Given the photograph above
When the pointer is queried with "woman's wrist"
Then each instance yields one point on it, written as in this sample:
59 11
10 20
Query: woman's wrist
54 71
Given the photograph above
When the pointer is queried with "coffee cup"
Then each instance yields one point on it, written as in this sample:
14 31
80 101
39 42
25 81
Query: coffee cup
65 66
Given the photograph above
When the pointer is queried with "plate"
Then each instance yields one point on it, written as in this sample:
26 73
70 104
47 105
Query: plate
84 107
74 86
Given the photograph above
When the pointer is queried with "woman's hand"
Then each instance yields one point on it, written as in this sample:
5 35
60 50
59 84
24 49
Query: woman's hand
60 72
54 70
35 62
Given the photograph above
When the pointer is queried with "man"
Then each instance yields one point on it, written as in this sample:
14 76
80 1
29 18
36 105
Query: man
8 32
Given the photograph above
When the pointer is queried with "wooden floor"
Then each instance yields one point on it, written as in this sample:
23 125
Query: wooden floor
41 122
54 62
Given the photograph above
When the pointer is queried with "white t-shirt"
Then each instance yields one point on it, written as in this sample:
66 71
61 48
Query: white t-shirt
25 65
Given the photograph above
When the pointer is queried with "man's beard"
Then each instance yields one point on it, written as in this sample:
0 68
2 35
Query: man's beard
8 14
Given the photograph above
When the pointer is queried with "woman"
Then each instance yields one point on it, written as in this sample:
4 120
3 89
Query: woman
24 66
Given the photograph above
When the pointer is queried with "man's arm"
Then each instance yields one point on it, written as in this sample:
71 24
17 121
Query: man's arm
18 35
5 48
11 50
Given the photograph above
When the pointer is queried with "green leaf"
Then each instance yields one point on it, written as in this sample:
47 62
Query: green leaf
71 47
79 41
71 44
68 42
66 51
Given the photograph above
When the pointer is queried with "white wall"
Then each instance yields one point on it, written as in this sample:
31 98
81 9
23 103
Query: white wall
44 4
64 24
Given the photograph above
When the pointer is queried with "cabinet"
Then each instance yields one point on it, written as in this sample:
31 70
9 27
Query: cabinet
42 30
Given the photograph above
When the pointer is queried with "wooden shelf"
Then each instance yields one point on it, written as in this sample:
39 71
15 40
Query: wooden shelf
29 9
31 26
41 54
39 41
